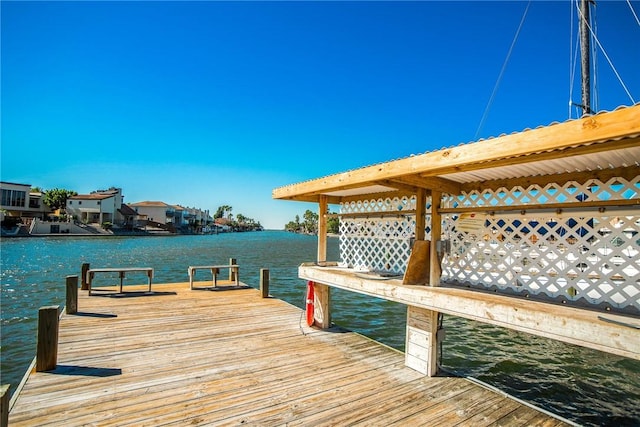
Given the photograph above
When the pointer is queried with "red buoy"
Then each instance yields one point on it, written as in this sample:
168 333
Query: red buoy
310 301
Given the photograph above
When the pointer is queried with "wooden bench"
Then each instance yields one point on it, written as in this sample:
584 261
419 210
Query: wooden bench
121 272
215 270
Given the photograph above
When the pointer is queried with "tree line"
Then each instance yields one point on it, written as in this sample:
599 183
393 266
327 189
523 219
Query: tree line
237 223
309 224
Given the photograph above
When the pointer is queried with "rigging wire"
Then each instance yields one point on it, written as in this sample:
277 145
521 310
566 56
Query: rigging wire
504 66
633 12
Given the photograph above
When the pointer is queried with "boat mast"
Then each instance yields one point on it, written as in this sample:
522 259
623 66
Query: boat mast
585 48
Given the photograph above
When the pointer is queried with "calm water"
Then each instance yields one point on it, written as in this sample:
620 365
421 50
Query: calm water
588 387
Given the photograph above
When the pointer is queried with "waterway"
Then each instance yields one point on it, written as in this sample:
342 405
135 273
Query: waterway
588 387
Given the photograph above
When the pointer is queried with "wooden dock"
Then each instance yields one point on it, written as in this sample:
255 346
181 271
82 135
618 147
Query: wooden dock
197 357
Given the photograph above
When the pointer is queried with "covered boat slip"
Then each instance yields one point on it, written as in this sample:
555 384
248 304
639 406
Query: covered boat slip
178 356
537 231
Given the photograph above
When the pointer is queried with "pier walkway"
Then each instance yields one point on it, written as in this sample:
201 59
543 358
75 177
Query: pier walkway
195 357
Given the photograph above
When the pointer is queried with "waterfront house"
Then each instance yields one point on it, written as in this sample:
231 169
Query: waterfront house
536 231
155 211
101 206
20 202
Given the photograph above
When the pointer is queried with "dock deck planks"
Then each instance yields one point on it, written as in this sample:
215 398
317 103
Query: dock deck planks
192 357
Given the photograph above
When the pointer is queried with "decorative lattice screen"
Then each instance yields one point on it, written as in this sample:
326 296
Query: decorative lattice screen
574 257
589 255
375 235
581 255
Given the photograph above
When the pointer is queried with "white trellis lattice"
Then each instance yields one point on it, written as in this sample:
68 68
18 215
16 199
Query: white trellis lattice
380 238
593 190
591 256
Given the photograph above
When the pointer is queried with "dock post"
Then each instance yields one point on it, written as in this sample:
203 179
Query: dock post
322 309
72 294
83 275
4 405
47 345
232 274
264 282
421 347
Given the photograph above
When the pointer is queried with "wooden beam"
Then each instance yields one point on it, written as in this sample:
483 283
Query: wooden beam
606 332
547 206
432 183
582 150
398 185
381 214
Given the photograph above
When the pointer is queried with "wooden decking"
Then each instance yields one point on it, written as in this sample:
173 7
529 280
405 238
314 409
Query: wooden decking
191 357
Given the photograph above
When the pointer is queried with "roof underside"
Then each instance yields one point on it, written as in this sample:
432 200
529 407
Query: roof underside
603 142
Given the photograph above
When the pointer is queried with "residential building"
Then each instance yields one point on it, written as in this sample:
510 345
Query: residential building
155 211
19 201
100 206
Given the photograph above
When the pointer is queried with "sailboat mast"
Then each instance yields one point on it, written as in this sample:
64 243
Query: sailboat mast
585 48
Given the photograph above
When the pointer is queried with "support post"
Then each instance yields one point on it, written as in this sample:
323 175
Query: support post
436 236
421 202
83 276
4 405
322 311
232 274
322 228
47 346
421 352
72 295
264 282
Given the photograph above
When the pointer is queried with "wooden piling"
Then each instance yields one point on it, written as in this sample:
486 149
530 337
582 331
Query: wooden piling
83 274
421 352
4 405
72 294
47 345
264 282
232 274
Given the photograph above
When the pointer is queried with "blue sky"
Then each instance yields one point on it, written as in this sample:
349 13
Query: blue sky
217 103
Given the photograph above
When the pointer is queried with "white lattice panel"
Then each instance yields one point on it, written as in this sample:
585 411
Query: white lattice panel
592 190
592 258
377 242
378 205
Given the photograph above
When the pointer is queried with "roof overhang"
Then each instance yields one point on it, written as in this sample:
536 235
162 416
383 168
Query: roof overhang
597 145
